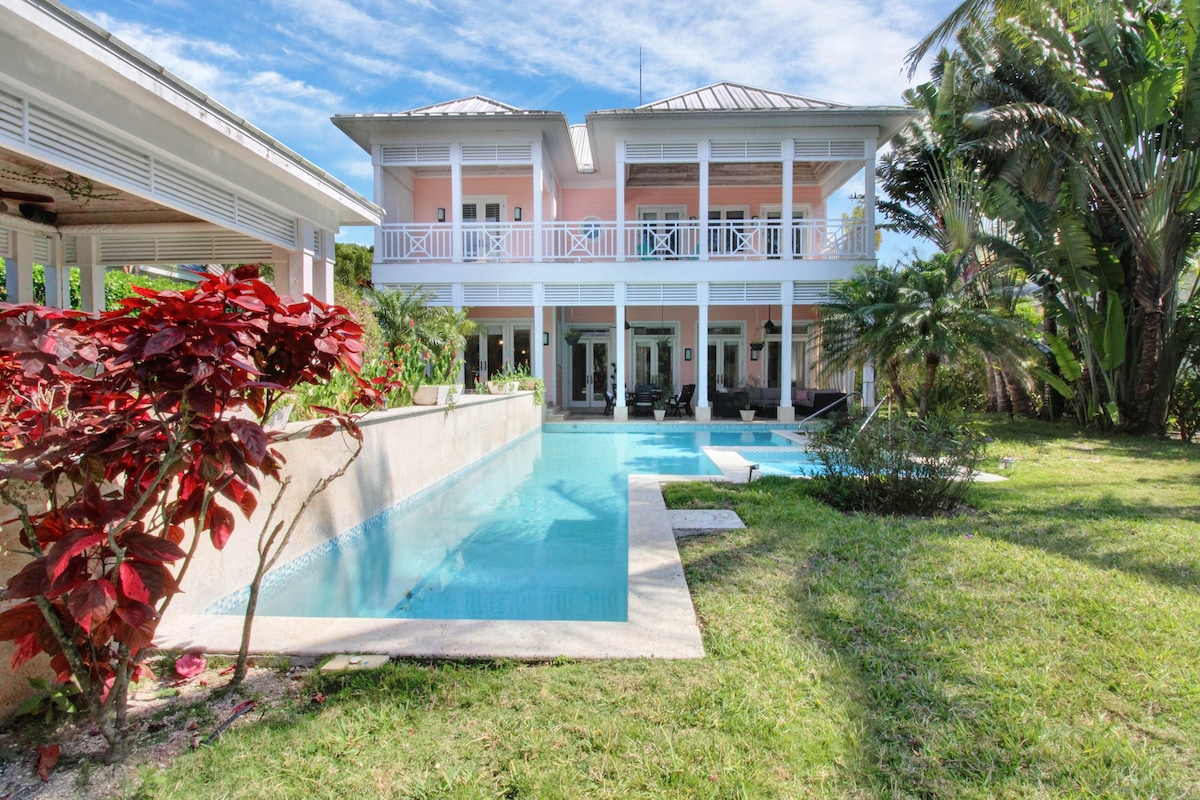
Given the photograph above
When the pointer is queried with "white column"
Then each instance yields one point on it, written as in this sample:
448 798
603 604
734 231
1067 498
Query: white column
324 266
702 211
539 327
620 341
787 239
869 199
294 268
456 198
620 190
703 410
787 413
57 277
20 268
868 392
538 191
377 195
91 274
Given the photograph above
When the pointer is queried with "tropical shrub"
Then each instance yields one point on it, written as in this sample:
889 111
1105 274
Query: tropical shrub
121 452
895 466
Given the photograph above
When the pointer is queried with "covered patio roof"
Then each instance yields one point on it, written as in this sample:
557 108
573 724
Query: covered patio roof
108 159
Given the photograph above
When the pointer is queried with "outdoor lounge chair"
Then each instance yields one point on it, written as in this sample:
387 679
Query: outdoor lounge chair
610 401
643 400
682 402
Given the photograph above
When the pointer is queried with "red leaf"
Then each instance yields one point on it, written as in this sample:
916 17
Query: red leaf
154 549
30 581
72 543
157 579
189 665
92 603
252 437
47 760
165 340
132 584
220 524
26 647
175 534
20 621
322 429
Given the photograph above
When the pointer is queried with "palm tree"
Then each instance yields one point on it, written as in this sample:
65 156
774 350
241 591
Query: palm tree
853 328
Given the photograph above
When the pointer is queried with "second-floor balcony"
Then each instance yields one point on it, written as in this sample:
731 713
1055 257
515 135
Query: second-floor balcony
631 240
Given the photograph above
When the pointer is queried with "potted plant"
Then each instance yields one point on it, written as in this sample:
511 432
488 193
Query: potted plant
663 384
573 336
747 391
757 345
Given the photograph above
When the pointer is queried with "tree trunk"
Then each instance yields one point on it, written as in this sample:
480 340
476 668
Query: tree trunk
931 365
1017 393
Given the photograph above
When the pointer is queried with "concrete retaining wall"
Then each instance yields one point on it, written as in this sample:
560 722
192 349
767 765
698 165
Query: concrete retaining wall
404 451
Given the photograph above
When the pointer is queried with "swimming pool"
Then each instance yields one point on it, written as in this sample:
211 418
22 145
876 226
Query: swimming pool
538 532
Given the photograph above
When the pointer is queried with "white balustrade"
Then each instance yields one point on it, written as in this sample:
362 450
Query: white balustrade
648 240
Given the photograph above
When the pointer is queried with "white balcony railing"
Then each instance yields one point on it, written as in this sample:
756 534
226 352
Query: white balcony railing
645 240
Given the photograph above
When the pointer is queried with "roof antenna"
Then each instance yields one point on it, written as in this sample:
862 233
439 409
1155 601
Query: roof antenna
639 76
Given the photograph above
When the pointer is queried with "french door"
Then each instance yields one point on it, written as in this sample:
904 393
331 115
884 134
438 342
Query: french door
478 241
589 371
725 347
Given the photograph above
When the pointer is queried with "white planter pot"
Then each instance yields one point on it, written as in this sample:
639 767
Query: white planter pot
432 395
660 414
747 414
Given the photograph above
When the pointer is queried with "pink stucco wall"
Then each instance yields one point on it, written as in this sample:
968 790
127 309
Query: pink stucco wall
431 194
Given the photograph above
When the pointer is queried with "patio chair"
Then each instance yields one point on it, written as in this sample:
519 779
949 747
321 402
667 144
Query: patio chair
682 402
610 401
643 400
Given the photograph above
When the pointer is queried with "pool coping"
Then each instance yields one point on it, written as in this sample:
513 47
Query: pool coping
661 621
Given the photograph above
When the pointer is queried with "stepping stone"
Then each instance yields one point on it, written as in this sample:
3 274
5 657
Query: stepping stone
692 522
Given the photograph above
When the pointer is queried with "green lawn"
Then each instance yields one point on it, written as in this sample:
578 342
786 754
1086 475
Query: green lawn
1046 644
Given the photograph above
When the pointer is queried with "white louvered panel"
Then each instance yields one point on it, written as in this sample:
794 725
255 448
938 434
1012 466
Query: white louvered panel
746 151
497 294
318 252
662 151
496 153
5 252
815 292
12 117
400 154
53 134
742 293
275 227
184 248
660 293
580 294
192 192
437 294
847 149
41 250
127 250
70 252
841 150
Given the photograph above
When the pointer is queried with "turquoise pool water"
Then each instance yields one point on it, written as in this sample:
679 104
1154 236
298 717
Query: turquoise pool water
539 531
789 462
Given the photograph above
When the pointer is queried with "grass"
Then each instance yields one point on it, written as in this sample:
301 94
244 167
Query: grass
1042 645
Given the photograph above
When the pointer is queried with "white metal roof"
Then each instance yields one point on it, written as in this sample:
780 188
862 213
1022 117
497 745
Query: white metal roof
727 96
583 148
477 104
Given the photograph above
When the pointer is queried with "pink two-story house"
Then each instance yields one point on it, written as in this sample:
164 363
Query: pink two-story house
689 238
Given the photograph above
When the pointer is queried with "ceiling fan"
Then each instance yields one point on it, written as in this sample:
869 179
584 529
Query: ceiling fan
29 205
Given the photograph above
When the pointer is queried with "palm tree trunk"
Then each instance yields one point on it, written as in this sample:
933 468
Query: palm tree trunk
931 365
1017 393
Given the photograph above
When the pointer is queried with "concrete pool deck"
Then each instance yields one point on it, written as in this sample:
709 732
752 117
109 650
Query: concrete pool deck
661 621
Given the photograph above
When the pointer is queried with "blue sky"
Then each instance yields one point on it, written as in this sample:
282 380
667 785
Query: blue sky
288 65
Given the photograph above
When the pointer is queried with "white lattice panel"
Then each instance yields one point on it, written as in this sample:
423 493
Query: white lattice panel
841 150
53 134
497 153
